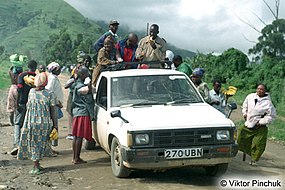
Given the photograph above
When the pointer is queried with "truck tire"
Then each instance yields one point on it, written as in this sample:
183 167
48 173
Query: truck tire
217 170
90 145
119 170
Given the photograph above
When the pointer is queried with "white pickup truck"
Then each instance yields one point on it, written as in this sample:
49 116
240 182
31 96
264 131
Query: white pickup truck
155 119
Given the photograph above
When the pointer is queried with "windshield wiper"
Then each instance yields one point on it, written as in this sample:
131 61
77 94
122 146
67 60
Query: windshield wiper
144 103
147 103
180 101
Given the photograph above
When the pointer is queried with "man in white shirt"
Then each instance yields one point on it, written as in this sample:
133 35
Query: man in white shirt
217 98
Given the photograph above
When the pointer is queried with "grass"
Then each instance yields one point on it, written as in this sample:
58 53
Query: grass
276 131
4 75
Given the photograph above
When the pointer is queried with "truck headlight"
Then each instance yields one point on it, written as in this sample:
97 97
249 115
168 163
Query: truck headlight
223 135
142 139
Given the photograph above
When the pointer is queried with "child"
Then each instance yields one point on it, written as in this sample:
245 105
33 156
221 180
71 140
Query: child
83 112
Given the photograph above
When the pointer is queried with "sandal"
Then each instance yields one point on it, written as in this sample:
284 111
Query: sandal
35 171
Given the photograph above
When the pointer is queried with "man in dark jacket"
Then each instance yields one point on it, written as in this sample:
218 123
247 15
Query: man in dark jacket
127 49
113 27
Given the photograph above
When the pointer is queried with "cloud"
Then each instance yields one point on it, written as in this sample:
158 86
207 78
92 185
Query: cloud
204 25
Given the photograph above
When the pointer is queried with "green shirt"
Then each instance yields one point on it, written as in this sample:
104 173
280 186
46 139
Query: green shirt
185 68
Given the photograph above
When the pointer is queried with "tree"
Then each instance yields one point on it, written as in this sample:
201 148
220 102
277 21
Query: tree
59 48
225 66
2 49
272 41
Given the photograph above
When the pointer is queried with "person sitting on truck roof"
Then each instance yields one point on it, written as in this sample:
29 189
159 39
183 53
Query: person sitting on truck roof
182 66
127 48
113 28
107 55
202 87
151 47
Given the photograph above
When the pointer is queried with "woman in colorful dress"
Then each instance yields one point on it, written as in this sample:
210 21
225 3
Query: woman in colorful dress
39 121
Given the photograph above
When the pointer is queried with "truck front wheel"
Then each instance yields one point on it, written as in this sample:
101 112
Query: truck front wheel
119 170
216 170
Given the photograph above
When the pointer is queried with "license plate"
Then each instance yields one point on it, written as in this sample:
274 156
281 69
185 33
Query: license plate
183 153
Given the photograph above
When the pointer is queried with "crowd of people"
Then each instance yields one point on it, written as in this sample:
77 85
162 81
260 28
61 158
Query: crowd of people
35 98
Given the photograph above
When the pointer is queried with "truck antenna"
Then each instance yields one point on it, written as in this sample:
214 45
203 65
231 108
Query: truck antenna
147 27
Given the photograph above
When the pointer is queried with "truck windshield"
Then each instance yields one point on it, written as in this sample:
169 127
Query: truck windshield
152 90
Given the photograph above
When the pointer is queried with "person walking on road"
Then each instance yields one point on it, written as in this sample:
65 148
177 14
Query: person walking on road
258 111
24 84
39 122
17 67
54 86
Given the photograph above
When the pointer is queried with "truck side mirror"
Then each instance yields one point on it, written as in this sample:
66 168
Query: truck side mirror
117 113
232 106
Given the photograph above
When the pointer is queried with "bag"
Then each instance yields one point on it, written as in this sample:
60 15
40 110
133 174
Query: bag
59 113
53 135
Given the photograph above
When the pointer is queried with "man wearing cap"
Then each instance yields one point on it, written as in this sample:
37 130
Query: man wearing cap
113 27
151 47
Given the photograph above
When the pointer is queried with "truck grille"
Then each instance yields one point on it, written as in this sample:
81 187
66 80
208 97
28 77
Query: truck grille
184 138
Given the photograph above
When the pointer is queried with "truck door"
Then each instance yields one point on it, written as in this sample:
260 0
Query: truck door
101 113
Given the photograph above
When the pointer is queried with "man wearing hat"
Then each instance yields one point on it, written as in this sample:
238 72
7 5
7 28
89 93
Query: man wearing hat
113 27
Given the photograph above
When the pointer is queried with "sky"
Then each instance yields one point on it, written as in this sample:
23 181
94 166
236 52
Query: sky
207 26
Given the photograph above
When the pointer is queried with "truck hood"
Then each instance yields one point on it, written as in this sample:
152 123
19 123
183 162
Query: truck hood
175 116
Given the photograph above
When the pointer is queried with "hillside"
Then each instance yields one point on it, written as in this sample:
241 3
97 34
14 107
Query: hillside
26 24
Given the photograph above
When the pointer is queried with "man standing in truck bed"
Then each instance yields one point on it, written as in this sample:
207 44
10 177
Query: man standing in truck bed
113 27
151 47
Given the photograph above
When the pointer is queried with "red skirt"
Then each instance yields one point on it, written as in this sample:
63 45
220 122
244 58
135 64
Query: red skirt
82 127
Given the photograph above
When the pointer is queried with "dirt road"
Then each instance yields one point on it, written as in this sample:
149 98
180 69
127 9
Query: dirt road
60 173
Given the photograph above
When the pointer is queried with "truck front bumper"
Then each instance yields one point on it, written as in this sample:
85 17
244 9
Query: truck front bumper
154 158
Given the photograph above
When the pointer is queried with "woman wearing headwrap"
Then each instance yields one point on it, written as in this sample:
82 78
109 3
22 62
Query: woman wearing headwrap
202 87
39 121
54 86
